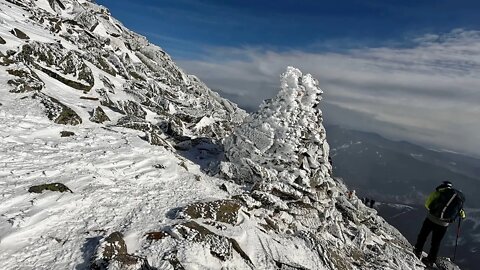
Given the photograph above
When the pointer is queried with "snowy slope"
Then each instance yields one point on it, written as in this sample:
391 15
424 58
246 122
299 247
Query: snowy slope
115 184
125 139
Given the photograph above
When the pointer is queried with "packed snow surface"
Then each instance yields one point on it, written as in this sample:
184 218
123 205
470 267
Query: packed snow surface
112 173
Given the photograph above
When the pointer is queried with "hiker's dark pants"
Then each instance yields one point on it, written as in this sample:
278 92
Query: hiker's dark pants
437 235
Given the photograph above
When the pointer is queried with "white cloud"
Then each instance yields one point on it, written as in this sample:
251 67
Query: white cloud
428 93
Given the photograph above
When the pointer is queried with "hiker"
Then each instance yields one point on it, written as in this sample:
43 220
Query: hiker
350 194
372 203
330 170
366 201
444 205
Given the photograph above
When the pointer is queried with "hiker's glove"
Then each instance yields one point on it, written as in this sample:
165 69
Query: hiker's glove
462 214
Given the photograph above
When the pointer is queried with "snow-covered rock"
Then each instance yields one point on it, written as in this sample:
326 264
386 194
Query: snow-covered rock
77 45
284 143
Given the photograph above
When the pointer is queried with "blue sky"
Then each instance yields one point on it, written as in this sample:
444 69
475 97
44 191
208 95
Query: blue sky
406 69
186 27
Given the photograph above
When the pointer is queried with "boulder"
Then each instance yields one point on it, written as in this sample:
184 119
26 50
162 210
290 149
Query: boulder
57 111
156 235
68 117
59 187
66 133
225 211
99 115
26 79
19 34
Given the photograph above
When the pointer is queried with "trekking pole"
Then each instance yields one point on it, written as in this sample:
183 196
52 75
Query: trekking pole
456 240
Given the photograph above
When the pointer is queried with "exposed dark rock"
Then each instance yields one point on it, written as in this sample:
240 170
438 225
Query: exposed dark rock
348 213
42 55
134 123
97 57
27 80
286 266
73 84
114 245
154 138
89 98
2 41
222 210
88 20
106 101
99 115
172 258
57 111
54 3
68 117
159 166
224 188
240 251
19 34
6 60
156 235
51 187
108 84
112 253
16 2
132 108
66 134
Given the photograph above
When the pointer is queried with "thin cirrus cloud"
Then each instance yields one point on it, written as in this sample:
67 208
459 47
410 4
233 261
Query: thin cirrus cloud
426 93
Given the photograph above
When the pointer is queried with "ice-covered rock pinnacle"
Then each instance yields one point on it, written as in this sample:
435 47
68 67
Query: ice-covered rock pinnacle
285 140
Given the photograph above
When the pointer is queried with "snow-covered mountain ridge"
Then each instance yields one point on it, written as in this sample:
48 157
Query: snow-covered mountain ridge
96 108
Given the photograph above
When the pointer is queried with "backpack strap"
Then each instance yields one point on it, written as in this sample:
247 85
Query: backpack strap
448 203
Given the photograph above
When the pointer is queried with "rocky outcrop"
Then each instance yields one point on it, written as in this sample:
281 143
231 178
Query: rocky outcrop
26 80
283 145
19 33
222 211
57 111
99 115
50 187
150 80
66 134
56 4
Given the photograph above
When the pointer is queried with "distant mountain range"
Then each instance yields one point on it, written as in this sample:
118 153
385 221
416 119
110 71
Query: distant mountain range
398 171
399 175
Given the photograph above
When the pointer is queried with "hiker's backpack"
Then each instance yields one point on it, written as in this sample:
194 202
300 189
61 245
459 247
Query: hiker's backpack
446 204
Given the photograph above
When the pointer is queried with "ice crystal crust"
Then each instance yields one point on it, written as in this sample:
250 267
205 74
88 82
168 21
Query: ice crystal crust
285 140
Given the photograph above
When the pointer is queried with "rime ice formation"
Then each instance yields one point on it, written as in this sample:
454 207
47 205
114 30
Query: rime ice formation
280 154
284 143
104 144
